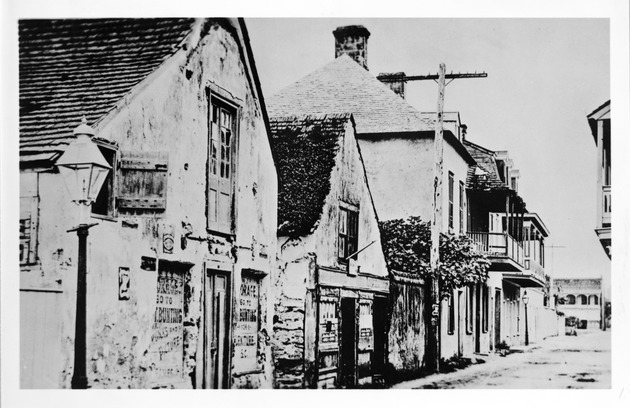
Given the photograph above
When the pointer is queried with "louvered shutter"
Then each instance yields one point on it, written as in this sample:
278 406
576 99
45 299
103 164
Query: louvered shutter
142 181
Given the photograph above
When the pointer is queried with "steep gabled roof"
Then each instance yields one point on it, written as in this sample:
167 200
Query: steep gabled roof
305 148
344 86
70 68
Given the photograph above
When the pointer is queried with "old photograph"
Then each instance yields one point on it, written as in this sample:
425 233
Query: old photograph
313 203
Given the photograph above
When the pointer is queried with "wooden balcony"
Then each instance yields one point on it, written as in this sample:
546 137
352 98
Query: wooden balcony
503 251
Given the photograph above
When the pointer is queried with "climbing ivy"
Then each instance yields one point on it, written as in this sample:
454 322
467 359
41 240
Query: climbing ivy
407 247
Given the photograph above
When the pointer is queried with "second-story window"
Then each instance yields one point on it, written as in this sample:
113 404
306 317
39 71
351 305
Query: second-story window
462 201
348 233
221 166
450 199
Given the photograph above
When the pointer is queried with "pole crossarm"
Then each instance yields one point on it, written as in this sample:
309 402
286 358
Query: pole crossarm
435 77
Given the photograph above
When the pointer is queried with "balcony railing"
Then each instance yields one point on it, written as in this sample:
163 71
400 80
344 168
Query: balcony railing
535 268
606 208
498 245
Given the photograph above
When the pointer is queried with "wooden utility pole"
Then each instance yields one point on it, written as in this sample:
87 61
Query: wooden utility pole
436 226
433 360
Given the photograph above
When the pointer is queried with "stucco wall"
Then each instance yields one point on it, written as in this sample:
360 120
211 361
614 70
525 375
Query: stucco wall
167 113
400 173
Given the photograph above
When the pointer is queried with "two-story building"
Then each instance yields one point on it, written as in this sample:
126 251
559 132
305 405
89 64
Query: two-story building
397 144
582 299
599 122
179 266
332 285
513 239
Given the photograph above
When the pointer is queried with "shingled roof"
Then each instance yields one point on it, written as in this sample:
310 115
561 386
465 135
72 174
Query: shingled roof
484 175
305 148
344 86
70 68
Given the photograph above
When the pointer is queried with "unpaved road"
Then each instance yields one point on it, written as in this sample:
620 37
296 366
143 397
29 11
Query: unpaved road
581 361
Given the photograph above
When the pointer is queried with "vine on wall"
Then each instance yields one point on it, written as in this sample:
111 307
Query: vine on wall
407 247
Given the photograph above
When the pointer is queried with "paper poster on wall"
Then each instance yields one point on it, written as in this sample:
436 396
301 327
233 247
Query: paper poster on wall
246 332
123 283
167 346
366 329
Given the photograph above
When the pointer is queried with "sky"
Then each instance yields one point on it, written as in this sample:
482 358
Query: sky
544 77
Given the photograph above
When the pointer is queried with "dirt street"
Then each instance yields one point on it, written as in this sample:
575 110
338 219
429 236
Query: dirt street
581 361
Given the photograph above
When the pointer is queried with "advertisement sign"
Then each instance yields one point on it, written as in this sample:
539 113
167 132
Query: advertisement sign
246 331
167 345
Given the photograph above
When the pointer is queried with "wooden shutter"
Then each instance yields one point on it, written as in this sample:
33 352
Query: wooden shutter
221 164
142 180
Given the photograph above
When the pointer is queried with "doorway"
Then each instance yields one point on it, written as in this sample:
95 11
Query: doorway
461 323
348 342
497 318
380 337
216 324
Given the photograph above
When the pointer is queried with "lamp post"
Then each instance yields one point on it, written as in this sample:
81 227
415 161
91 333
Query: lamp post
84 170
525 302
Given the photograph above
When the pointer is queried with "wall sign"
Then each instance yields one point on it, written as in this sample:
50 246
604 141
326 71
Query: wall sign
123 283
147 264
168 242
167 345
246 332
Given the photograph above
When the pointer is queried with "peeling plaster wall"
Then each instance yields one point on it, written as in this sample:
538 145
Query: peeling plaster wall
349 184
167 113
299 258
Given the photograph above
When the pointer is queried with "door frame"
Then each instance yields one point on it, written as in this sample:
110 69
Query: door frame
207 380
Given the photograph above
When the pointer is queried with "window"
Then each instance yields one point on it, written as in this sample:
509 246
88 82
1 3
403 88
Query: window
105 203
450 199
348 234
469 310
513 183
451 314
485 316
592 300
570 299
28 229
221 166
462 198
582 300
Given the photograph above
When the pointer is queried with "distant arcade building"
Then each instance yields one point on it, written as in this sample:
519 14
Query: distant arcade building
582 299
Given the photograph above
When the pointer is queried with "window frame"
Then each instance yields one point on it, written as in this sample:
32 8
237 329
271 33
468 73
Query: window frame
111 181
462 202
216 222
469 309
347 215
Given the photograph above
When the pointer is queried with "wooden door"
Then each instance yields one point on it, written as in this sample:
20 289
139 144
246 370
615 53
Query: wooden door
348 342
461 321
497 318
380 337
216 325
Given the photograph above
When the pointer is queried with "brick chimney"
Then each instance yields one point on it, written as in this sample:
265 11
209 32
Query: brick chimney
395 81
352 40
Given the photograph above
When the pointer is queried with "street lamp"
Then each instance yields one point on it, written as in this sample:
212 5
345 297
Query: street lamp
525 302
84 170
